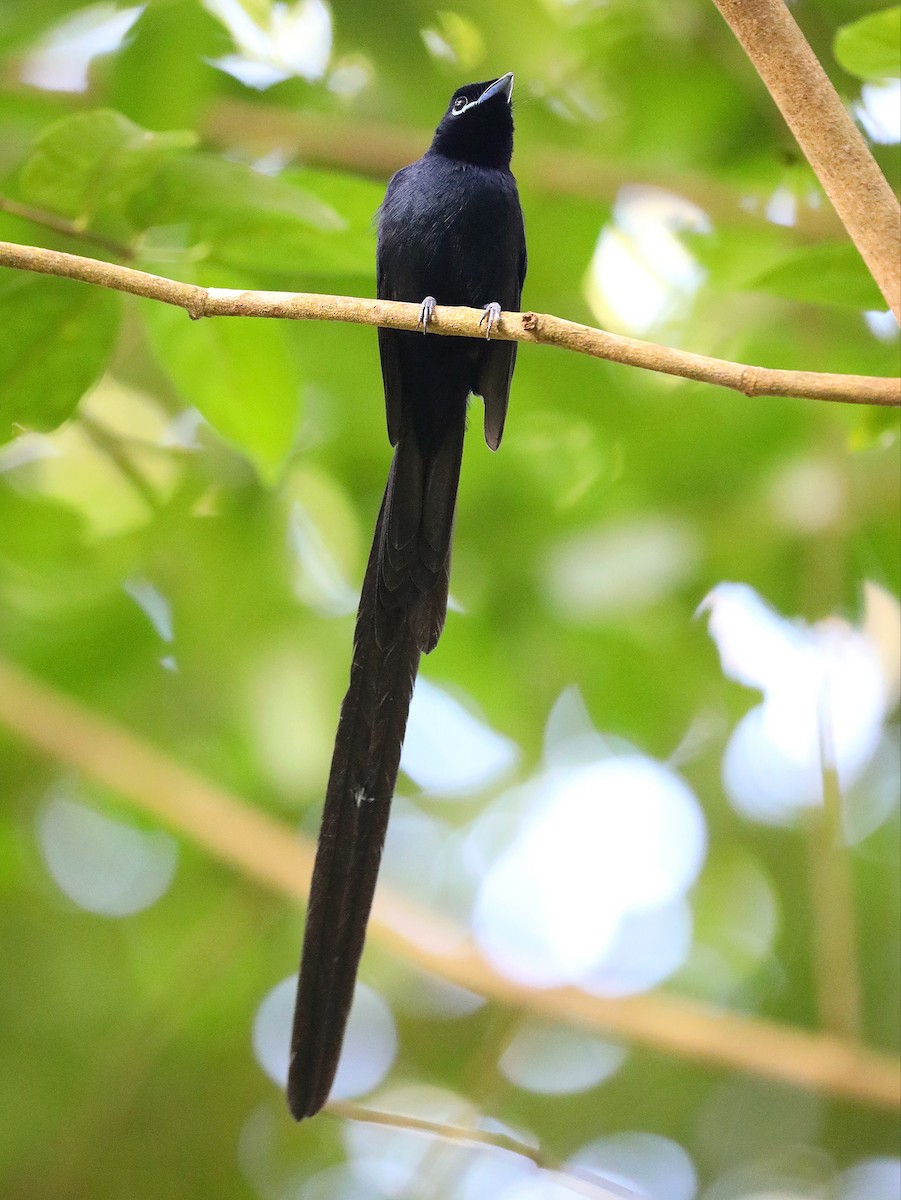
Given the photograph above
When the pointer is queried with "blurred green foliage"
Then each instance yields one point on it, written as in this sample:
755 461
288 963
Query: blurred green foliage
127 1062
871 47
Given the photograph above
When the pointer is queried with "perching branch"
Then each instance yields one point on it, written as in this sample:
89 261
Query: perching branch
831 141
513 327
273 855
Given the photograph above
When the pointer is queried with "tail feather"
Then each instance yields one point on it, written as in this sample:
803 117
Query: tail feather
402 610
419 568
354 821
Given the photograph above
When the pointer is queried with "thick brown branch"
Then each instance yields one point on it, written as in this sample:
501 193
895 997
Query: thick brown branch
831 141
518 327
273 855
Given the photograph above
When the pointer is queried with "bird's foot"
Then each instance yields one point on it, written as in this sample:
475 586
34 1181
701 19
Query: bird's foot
426 312
492 314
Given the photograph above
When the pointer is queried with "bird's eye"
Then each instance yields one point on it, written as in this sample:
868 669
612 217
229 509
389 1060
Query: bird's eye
460 103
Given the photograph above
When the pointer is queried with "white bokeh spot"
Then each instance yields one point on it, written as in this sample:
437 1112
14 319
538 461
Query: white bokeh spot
370 1041
103 865
600 843
826 690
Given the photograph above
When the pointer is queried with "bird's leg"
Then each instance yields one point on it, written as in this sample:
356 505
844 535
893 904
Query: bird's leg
492 314
426 312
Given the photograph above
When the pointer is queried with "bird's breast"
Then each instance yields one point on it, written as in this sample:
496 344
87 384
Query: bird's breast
447 232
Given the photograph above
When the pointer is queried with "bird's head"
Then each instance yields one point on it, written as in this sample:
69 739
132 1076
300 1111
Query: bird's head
478 125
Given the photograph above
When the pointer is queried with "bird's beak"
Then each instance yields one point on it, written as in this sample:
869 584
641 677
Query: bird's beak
502 86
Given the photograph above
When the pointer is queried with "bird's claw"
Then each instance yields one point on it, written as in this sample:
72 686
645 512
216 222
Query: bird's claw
492 314
426 312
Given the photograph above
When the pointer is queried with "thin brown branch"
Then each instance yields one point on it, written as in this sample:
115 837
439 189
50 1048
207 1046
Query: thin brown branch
835 934
464 1136
273 855
51 220
832 143
378 148
515 327
112 447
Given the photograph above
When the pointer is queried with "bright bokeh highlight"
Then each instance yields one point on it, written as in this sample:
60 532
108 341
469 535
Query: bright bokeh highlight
103 865
826 690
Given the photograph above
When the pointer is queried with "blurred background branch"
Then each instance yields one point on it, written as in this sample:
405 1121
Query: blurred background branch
50 220
835 953
272 855
461 1135
380 149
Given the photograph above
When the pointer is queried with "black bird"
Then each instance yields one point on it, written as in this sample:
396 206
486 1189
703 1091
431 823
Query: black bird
450 232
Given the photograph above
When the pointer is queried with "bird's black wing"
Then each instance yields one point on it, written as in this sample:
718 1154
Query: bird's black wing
499 359
390 359
389 342
494 388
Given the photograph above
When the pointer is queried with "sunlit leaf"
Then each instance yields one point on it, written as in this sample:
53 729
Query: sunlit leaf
57 339
233 215
833 273
88 166
239 373
22 23
457 38
871 47
174 40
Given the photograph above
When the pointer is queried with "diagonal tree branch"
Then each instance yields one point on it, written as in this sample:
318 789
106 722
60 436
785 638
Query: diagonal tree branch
462 322
832 143
274 856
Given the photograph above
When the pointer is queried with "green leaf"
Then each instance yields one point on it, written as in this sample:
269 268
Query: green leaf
230 214
89 166
21 24
57 339
108 174
457 38
175 40
832 273
239 373
871 47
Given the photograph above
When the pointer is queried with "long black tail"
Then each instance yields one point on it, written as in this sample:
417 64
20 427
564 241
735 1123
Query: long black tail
402 609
